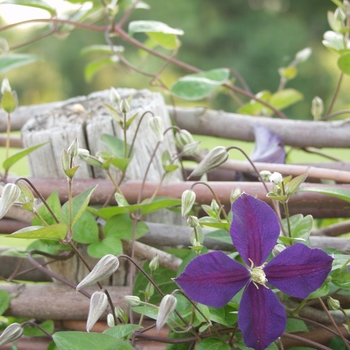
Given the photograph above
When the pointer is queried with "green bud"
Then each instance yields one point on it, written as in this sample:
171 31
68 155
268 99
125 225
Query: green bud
65 160
156 125
11 333
154 263
340 14
191 148
187 200
73 149
124 105
192 221
133 300
10 194
114 96
235 194
212 160
98 304
333 304
9 101
105 267
121 314
278 248
110 320
83 153
166 307
183 138
317 108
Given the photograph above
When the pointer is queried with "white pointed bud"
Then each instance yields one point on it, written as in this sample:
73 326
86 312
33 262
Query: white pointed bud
11 333
114 96
5 86
121 314
98 304
65 160
154 263
303 55
235 194
73 149
340 14
83 153
120 199
333 304
183 138
192 221
317 108
265 174
156 125
10 194
133 300
212 160
278 248
124 105
110 320
166 307
276 178
191 149
105 267
187 200
215 206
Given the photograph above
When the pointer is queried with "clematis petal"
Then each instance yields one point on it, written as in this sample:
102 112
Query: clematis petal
298 270
213 279
268 146
261 317
254 229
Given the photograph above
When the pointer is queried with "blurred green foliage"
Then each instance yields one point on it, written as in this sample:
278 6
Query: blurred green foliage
254 37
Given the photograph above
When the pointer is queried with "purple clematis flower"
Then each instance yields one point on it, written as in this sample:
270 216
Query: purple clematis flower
214 278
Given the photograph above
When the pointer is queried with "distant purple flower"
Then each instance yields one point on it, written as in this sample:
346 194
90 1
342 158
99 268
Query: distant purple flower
268 147
213 279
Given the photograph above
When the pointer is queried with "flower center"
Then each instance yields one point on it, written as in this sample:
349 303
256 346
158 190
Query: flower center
257 275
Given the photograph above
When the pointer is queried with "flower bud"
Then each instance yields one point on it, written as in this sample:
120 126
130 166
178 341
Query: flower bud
192 221
10 194
121 314
114 96
154 263
333 304
235 194
103 269
265 174
124 105
276 178
303 55
11 333
73 149
65 160
110 320
166 307
9 101
83 153
187 200
278 248
156 125
133 300
183 138
5 86
98 304
340 14
212 160
317 108
191 148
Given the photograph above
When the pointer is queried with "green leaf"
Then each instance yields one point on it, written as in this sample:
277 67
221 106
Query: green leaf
12 61
300 226
101 49
212 222
86 229
220 235
254 107
120 163
54 203
294 184
335 192
40 4
7 164
79 204
199 85
288 72
342 279
114 145
226 316
47 325
109 245
212 344
168 41
52 232
285 98
295 325
152 27
122 330
5 298
121 226
93 67
84 341
320 292
344 63
51 247
333 22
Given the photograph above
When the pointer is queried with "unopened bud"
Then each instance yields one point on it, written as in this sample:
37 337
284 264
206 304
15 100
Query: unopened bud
5 86
340 14
166 307
83 153
124 105
114 96
235 194
303 55
183 138
154 263
133 300
333 304
11 333
110 320
103 269
98 304
212 160
187 200
317 108
156 125
10 194
276 178
65 160
191 148
192 221
73 149
278 248
9 101
121 314
265 174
